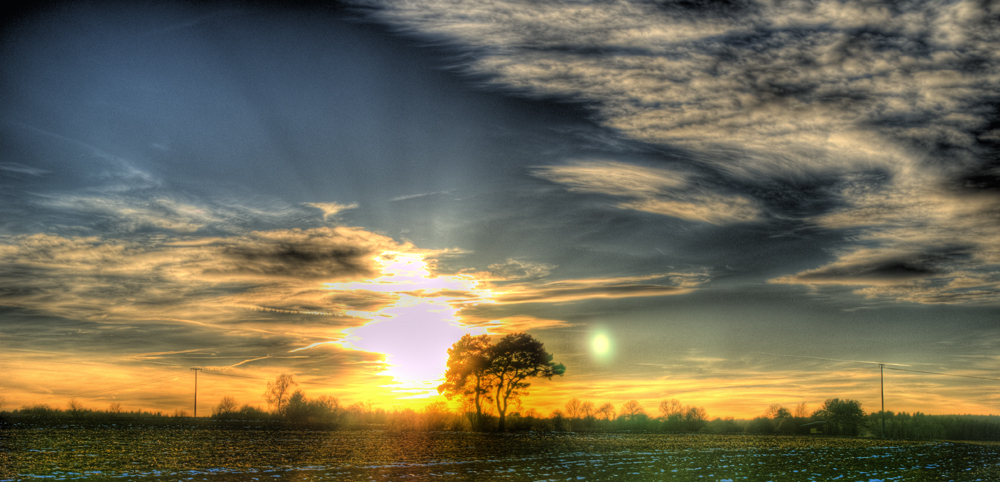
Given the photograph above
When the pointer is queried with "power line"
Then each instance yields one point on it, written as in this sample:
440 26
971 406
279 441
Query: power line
943 374
233 375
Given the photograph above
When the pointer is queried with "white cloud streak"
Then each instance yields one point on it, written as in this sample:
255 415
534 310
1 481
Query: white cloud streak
653 190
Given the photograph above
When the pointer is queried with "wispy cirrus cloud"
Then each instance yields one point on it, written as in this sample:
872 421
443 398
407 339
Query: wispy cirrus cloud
918 242
653 190
896 103
661 284
18 168
331 210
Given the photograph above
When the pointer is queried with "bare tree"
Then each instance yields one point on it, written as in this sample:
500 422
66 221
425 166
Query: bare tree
278 393
776 411
606 412
115 407
228 405
74 406
587 410
802 410
695 414
574 408
671 407
632 410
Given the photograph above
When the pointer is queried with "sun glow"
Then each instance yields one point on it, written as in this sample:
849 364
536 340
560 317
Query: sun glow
415 330
601 344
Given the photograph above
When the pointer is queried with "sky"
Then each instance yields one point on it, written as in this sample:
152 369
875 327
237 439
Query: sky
749 201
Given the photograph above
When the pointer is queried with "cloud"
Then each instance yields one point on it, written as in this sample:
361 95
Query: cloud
513 269
130 214
18 168
919 242
234 303
331 210
95 277
512 324
320 253
664 284
896 102
653 190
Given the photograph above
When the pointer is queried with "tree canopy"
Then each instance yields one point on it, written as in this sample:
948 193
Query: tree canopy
467 375
484 373
844 416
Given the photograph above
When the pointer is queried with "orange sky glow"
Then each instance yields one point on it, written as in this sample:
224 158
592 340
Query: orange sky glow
406 316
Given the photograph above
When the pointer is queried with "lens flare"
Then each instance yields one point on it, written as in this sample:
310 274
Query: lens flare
601 344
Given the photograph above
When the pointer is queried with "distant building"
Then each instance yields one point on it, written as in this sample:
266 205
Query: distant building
815 428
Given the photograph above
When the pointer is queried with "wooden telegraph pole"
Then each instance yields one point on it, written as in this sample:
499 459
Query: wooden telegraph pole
881 376
196 370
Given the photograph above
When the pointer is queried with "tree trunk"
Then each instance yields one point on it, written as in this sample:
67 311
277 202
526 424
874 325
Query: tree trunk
501 410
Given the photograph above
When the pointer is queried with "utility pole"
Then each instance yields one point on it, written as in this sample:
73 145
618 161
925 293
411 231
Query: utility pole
881 376
196 370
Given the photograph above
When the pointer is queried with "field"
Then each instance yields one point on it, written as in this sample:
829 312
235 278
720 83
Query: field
184 453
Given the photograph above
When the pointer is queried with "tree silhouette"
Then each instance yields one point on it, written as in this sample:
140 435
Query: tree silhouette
671 407
632 410
482 373
468 374
514 359
802 410
574 409
75 408
846 416
278 393
226 407
606 412
775 411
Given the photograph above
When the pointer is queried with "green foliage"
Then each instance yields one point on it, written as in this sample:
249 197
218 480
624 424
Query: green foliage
845 417
324 410
918 426
760 426
726 425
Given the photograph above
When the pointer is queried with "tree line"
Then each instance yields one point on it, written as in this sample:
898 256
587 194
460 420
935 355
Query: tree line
289 405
